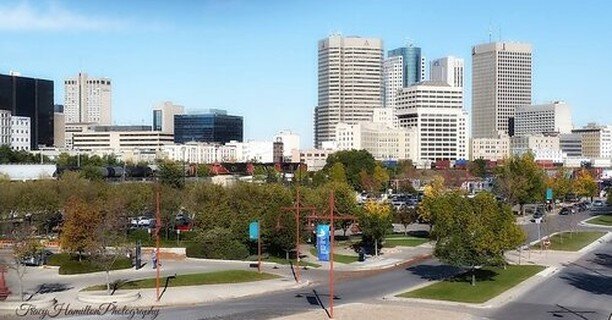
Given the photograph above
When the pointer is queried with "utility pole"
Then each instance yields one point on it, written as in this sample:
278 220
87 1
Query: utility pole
297 208
331 218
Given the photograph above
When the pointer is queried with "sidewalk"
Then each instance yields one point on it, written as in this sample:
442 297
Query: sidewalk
389 257
381 311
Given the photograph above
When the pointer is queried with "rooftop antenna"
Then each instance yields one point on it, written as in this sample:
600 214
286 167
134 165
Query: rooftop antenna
409 42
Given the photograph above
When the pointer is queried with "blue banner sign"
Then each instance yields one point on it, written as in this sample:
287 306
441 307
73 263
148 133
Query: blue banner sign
323 243
549 194
254 230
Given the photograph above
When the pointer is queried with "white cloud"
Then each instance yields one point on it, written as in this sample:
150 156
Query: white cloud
24 17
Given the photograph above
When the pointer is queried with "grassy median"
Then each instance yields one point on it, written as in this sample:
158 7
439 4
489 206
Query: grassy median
196 279
571 241
340 258
490 282
404 242
602 220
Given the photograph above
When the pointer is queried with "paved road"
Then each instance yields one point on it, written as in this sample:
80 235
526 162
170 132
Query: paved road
582 290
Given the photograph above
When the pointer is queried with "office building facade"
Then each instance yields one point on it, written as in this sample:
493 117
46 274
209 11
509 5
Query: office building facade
215 126
32 98
393 79
534 119
492 149
350 83
435 109
571 144
163 116
413 64
5 128
501 81
448 69
596 140
88 100
20 133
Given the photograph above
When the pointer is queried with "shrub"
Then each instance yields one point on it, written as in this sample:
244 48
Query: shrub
139 234
86 266
217 243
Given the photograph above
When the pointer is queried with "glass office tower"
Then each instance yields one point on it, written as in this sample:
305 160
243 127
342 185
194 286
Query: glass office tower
413 63
213 127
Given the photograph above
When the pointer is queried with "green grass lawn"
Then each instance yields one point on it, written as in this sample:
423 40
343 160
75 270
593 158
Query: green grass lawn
404 242
218 277
490 282
341 258
571 241
602 220
285 261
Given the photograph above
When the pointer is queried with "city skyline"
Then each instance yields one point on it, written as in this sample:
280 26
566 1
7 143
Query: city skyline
194 55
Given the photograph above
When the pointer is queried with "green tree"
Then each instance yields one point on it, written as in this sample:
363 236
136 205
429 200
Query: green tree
354 161
585 184
203 170
473 232
375 221
431 194
380 177
406 216
172 174
24 246
560 183
521 181
92 173
337 173
478 168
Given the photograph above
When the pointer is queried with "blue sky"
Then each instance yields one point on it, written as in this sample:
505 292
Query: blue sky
258 58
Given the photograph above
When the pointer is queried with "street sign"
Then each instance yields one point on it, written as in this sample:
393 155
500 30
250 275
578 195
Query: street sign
323 244
549 194
254 230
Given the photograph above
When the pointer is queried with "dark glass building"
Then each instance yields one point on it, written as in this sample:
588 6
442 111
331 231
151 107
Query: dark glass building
33 98
215 126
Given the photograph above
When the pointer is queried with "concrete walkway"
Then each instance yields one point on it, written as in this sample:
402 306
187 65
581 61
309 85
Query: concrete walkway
381 311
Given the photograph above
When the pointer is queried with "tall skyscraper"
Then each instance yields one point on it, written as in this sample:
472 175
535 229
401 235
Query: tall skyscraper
350 83
163 116
448 69
414 64
393 79
32 98
87 100
501 81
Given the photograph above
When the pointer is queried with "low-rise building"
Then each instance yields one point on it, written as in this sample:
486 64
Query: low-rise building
315 159
118 139
5 127
492 149
20 133
544 147
596 140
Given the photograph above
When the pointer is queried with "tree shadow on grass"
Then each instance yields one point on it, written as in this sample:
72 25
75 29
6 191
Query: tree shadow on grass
592 283
437 272
419 234
481 275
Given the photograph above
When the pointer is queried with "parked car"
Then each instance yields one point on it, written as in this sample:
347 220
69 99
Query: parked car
38 259
565 211
598 204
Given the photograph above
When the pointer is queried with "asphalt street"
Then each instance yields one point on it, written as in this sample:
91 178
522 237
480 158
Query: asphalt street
581 290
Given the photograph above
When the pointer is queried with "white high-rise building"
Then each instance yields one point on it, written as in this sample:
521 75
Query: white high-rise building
20 133
87 100
393 78
435 109
290 140
5 127
552 117
350 82
163 116
448 69
501 81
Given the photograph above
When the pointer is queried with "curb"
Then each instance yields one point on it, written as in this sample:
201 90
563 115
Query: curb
494 302
16 305
586 224
596 243
96 297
